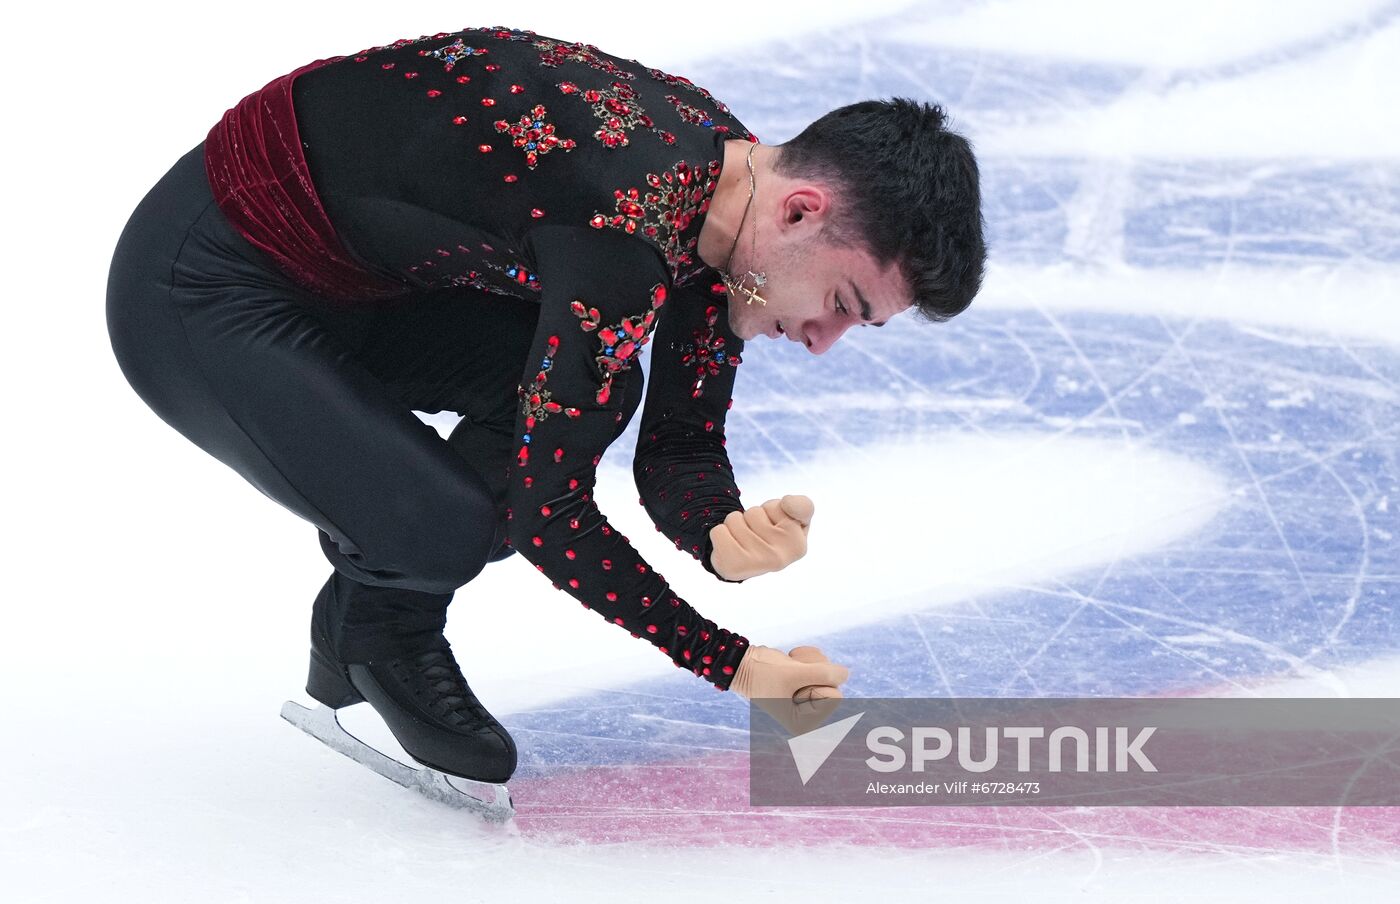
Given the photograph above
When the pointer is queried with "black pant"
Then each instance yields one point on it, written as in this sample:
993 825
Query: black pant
312 399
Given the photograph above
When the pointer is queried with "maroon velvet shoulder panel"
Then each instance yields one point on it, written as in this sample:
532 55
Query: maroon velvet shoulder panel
258 174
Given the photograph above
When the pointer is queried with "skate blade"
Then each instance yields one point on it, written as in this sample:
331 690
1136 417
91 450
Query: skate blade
323 725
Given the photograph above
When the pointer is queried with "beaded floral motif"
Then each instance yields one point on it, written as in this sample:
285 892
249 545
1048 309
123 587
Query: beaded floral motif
536 402
453 52
476 280
516 272
553 53
678 81
706 355
663 213
695 115
615 107
618 110
621 343
508 34
401 42
533 134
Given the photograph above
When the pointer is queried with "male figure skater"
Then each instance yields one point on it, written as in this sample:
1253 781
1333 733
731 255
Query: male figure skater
498 223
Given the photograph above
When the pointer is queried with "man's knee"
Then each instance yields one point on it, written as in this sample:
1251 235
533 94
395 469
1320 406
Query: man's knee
434 559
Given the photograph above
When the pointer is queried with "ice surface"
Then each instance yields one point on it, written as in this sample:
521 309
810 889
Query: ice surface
1157 456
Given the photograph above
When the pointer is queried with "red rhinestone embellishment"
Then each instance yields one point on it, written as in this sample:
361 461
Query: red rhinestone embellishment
664 213
537 405
621 343
616 109
534 134
706 354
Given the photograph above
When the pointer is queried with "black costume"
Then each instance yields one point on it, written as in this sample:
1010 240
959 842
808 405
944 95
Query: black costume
517 218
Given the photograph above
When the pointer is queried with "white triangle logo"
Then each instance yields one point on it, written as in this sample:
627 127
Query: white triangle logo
810 750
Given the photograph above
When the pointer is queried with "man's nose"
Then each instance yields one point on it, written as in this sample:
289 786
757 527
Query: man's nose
823 335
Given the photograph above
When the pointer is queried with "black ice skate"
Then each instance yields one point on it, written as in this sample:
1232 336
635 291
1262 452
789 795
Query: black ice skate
433 714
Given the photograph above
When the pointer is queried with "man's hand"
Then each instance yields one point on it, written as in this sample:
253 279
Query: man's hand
761 539
813 692
798 689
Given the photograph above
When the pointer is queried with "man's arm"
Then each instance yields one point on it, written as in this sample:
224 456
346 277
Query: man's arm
602 294
681 467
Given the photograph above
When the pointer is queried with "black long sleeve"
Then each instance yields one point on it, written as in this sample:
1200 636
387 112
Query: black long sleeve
681 466
604 294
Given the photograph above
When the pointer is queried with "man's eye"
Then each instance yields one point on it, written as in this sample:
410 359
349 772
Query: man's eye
840 307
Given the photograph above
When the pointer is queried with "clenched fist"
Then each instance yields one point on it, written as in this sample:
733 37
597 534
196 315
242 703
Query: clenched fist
765 538
799 689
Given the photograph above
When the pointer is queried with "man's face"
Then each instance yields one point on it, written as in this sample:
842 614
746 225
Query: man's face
815 290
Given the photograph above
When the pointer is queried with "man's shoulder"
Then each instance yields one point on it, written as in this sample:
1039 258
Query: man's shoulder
627 101
616 143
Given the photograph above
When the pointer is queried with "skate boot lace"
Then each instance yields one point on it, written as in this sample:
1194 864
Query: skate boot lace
443 677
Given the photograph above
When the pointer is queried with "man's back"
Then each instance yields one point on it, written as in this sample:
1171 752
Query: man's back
435 157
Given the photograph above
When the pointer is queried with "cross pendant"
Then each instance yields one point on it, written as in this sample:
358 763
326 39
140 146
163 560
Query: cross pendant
738 286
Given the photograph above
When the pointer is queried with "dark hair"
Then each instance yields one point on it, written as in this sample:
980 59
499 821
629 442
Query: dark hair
908 191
